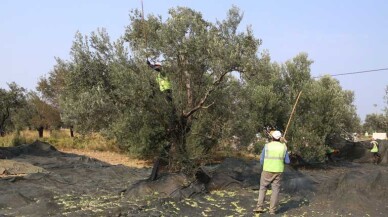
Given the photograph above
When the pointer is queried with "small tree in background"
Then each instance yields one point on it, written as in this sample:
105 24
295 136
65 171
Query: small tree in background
42 115
11 102
376 123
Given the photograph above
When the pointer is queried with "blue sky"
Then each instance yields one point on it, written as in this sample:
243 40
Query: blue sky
340 36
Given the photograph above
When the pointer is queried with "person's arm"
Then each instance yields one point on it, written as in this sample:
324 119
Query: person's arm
262 156
152 66
286 158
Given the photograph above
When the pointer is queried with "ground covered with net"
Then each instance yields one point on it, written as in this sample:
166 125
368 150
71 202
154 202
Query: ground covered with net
38 180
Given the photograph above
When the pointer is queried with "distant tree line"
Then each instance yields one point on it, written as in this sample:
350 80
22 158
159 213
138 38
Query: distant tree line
378 122
21 109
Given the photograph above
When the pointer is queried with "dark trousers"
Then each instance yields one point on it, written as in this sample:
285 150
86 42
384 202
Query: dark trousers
376 157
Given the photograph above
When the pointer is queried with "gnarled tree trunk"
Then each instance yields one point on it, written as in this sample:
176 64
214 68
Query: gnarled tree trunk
40 132
71 132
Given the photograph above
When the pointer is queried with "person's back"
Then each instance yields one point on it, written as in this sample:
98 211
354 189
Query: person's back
375 147
329 154
375 150
274 156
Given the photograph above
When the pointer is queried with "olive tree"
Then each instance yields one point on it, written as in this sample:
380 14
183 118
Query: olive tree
10 102
198 57
41 114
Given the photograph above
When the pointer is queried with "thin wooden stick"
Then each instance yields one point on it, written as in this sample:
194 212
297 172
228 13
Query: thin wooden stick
292 113
144 29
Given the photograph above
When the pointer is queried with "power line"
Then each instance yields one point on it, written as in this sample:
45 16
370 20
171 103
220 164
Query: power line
351 73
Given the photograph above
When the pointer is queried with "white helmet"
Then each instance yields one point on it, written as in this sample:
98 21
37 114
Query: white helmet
276 134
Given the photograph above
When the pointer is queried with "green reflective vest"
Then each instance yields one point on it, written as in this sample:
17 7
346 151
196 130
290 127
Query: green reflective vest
329 150
375 148
164 83
274 156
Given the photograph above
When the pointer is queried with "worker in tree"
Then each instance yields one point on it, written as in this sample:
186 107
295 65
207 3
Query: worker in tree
375 151
162 80
329 154
165 87
273 157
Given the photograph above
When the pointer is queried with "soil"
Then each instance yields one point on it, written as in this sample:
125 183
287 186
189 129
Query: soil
38 180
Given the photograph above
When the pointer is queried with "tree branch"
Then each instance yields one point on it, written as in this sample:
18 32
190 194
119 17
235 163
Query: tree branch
201 103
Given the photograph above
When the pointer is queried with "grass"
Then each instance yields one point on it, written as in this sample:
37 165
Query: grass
61 139
99 147
92 145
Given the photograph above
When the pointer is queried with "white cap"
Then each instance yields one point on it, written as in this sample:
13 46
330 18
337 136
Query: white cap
276 134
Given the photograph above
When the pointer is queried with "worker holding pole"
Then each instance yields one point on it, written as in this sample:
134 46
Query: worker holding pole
273 157
375 150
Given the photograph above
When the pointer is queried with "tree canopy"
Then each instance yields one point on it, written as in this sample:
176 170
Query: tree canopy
10 102
222 86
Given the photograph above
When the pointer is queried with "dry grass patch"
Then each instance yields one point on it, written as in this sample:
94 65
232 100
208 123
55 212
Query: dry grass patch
110 157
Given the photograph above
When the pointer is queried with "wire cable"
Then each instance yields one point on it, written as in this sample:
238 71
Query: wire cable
352 73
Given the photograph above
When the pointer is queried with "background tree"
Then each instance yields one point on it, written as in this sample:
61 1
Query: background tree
265 91
88 100
10 101
42 115
376 123
51 88
324 109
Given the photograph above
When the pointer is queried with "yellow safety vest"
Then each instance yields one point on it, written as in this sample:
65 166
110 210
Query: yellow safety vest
164 83
329 150
375 148
274 156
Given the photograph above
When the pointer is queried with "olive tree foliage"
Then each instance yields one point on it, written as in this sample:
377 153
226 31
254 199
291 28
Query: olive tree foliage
271 92
258 101
41 115
323 109
52 86
89 99
266 90
198 57
100 89
11 101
